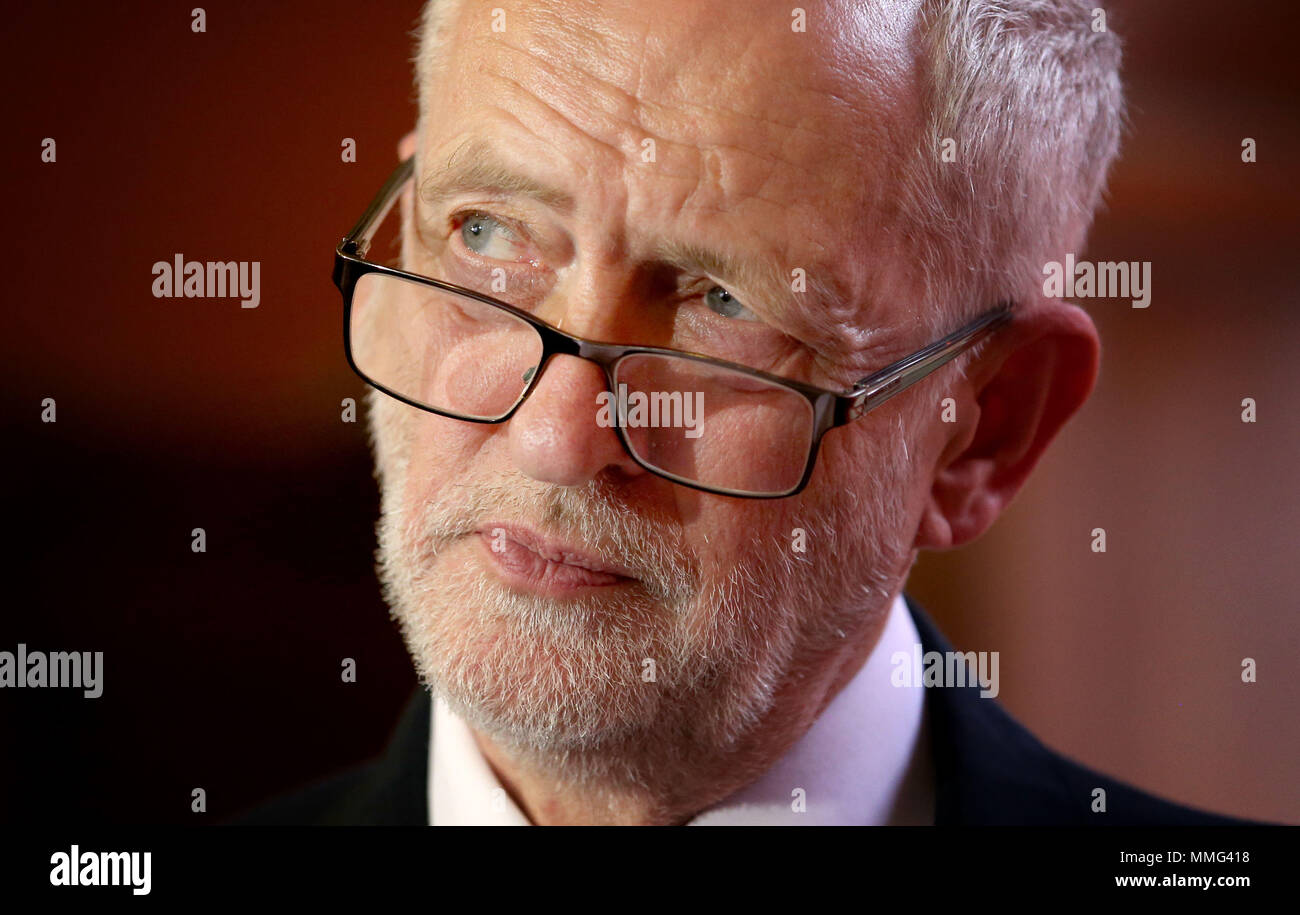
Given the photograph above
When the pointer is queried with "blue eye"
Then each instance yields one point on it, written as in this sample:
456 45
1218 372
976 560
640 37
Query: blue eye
477 232
724 303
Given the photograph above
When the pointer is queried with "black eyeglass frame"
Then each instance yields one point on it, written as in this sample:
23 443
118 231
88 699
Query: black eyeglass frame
831 409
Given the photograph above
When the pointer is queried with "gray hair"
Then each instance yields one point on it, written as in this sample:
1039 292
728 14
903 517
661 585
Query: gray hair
1028 93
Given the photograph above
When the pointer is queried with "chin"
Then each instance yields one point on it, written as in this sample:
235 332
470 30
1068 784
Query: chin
538 673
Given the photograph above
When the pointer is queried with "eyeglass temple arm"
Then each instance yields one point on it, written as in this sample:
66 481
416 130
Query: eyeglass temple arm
874 390
358 240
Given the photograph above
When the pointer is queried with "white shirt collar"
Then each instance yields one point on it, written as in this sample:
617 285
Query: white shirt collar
865 760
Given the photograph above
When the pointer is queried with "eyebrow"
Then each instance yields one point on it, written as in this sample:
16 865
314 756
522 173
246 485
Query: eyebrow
476 167
743 274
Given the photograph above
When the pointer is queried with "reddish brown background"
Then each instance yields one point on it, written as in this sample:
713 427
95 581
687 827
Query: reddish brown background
222 668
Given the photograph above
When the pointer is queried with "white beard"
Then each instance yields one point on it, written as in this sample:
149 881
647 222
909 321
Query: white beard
562 683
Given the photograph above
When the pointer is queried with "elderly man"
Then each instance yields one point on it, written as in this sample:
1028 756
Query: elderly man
711 314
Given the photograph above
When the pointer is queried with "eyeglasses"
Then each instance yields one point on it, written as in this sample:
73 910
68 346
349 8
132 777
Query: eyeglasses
703 422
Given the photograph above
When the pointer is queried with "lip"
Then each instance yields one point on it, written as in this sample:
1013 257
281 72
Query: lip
547 566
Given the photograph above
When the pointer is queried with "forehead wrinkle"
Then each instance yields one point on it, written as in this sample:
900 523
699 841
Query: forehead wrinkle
629 115
682 110
631 110
593 105
538 103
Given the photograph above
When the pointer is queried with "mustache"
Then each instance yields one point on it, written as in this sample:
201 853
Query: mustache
591 516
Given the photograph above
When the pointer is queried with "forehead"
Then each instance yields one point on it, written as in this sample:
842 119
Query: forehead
728 114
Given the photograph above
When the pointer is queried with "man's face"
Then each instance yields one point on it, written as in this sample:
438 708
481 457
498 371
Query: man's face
612 162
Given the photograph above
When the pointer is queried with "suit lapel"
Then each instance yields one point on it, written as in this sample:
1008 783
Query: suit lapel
399 786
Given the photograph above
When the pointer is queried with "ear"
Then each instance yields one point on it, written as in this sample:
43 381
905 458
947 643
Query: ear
406 147
1035 373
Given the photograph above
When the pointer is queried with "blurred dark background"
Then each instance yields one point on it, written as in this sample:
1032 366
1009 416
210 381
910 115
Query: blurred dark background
222 668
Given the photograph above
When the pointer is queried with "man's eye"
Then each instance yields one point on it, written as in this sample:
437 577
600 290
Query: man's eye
727 305
486 236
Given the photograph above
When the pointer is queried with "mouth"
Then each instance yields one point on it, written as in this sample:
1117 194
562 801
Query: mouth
526 559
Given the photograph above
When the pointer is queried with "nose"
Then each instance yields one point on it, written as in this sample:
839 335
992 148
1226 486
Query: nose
554 437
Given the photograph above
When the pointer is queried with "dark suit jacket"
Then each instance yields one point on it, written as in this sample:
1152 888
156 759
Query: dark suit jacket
988 770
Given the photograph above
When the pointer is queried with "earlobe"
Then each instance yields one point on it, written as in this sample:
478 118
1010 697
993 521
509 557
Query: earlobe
1032 383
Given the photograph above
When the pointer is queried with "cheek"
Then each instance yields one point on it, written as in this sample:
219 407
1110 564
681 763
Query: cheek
725 533
873 473
443 450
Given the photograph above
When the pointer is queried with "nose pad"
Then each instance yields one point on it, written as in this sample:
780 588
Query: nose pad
554 436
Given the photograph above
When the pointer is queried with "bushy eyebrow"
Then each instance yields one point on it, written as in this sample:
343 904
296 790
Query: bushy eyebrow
475 167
